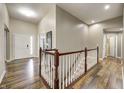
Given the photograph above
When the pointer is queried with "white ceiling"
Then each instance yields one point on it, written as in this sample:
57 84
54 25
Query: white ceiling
93 11
39 9
83 11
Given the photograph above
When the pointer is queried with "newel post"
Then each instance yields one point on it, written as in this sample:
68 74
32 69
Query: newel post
56 64
40 52
97 54
85 59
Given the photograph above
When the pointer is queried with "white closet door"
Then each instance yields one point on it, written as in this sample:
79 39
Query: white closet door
22 46
113 46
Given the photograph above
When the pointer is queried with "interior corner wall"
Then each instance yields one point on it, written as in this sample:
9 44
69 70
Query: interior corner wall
4 19
48 23
70 32
95 33
22 28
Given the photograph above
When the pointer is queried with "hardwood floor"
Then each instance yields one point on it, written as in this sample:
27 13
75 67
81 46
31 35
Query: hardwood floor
106 75
22 74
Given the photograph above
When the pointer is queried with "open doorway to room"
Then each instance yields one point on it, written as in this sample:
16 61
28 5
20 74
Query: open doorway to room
6 43
112 43
49 40
46 40
42 40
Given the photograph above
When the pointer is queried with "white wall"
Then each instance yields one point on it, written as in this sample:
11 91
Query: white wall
95 33
4 19
123 35
6 16
48 23
72 34
22 28
70 31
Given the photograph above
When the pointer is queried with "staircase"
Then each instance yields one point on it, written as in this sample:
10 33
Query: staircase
60 70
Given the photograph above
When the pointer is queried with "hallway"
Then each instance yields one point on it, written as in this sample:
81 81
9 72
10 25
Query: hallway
71 43
22 74
106 75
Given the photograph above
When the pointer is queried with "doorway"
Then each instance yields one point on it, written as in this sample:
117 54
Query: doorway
43 40
23 46
49 40
6 43
46 40
112 45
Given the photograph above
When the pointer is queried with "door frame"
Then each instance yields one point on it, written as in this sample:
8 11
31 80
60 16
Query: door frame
6 43
30 55
104 49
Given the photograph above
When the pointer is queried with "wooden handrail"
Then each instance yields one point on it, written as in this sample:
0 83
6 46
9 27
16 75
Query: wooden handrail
47 52
67 53
91 49
50 49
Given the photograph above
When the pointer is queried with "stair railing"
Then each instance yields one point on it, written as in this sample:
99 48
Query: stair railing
62 70
72 66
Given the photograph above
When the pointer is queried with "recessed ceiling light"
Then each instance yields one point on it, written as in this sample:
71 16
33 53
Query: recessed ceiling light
121 28
106 7
27 12
93 21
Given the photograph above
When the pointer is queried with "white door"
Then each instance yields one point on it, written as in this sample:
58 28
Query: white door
113 46
110 45
22 46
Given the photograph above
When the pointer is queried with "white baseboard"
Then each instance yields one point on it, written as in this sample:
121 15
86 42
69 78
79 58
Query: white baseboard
2 76
9 60
119 57
101 59
20 58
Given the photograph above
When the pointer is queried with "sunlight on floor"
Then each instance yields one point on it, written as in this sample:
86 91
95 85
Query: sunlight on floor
30 68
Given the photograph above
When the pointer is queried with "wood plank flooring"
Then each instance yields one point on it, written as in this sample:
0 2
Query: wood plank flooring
106 75
22 74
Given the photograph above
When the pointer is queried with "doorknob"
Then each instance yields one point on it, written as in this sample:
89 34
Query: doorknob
27 45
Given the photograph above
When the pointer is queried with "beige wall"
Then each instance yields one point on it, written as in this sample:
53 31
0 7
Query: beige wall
22 28
123 36
70 32
6 16
4 19
48 23
95 33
